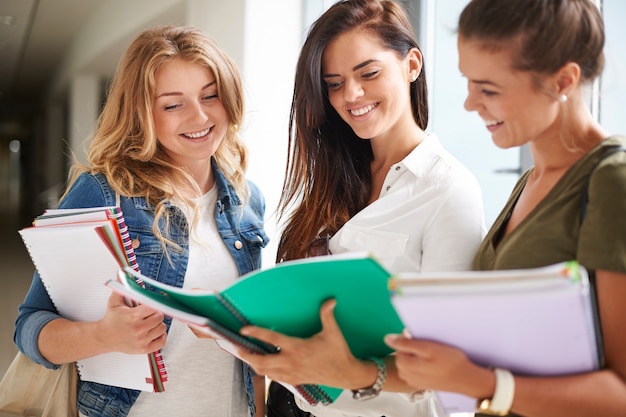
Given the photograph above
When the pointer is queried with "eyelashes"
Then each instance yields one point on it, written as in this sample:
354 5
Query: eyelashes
174 106
335 85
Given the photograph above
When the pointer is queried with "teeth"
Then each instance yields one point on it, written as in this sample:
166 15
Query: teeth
363 110
197 134
492 122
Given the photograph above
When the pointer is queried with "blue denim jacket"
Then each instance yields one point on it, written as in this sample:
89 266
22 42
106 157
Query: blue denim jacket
241 228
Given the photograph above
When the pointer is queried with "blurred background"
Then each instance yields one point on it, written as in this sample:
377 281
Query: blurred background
57 57
56 60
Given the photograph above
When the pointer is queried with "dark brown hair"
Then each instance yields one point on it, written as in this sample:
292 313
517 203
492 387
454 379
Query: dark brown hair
328 166
545 34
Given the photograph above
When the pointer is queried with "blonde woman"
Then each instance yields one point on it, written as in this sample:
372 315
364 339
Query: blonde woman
167 146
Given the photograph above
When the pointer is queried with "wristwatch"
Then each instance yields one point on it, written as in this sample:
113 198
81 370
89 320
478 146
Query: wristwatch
373 391
500 403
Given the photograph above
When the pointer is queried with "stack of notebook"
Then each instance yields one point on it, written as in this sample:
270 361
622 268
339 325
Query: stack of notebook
75 252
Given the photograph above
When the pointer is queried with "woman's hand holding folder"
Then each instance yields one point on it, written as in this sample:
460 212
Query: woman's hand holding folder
323 359
133 330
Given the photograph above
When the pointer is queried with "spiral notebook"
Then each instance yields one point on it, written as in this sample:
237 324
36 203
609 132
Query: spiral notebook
286 298
75 252
535 321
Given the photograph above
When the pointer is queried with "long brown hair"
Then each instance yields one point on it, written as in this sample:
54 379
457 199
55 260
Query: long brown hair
328 177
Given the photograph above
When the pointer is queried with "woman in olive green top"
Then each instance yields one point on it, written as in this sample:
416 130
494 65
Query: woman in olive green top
528 64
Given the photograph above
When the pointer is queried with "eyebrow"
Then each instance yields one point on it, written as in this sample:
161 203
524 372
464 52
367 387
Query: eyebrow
177 93
484 82
356 67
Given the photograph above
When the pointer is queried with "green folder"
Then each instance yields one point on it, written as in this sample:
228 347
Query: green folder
287 298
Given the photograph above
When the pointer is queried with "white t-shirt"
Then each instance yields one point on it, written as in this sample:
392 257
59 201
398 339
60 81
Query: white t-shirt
203 380
429 217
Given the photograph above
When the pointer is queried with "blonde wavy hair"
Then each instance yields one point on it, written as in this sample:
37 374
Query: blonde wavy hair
124 146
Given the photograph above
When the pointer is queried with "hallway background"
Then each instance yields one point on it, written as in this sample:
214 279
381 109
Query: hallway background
46 119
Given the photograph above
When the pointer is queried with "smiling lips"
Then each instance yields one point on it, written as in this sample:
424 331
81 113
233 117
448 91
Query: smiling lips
197 135
493 124
363 110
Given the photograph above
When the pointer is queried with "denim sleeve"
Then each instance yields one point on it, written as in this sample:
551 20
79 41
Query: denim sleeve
37 310
34 313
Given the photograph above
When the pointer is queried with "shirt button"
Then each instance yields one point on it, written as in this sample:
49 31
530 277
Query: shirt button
238 244
388 187
398 168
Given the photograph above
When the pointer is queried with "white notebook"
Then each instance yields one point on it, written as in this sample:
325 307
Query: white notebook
74 265
539 321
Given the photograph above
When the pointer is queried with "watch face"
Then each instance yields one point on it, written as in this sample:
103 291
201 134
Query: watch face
365 394
484 407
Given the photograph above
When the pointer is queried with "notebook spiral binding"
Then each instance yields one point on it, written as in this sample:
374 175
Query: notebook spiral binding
314 394
156 358
230 306
128 244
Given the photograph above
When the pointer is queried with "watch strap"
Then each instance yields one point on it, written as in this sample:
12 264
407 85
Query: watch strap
502 400
373 391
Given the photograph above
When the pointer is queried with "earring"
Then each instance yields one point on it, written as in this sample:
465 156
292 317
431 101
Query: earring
563 98
413 78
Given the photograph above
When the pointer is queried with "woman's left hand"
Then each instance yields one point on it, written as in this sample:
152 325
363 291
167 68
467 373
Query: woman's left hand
324 358
423 363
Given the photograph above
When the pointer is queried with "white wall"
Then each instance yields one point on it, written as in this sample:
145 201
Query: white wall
613 83
272 42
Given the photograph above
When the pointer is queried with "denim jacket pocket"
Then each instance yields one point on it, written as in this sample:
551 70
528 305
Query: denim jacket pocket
254 240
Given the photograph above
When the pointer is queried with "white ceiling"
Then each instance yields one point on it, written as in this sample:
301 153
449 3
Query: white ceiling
38 45
32 46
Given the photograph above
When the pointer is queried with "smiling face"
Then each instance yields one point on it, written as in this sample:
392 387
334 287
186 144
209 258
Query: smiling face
515 109
189 118
368 85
